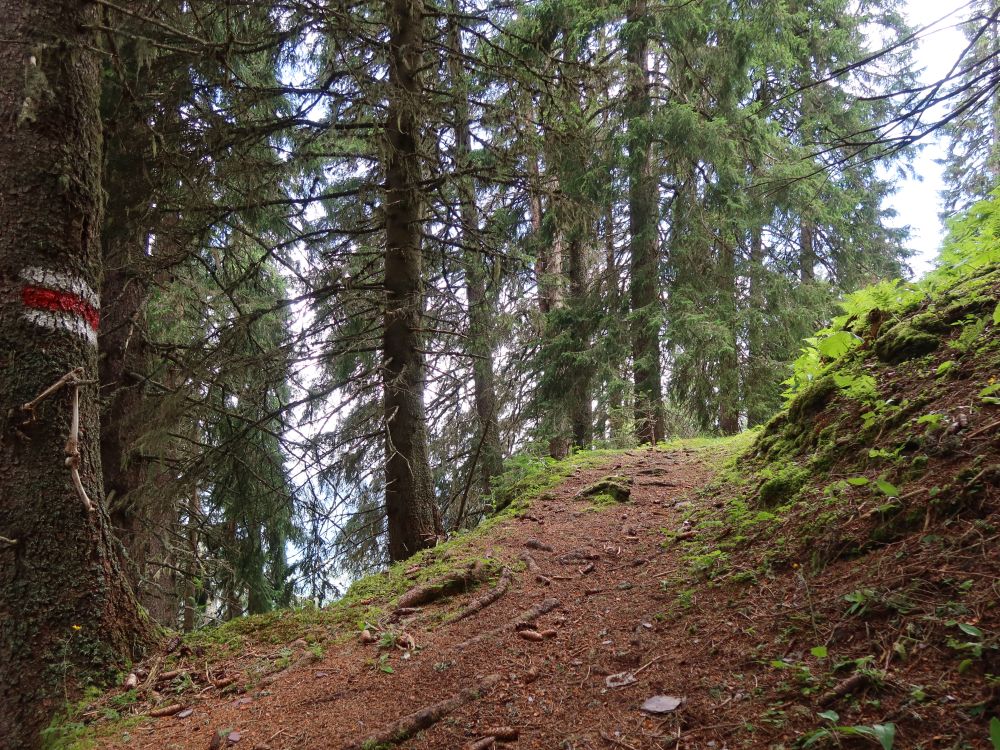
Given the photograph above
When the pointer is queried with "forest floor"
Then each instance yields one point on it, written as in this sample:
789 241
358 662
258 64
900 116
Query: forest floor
603 563
636 612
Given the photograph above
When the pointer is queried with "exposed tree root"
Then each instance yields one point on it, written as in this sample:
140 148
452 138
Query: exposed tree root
442 586
405 727
481 602
535 570
525 618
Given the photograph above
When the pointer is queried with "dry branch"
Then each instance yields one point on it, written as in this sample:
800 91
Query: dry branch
405 727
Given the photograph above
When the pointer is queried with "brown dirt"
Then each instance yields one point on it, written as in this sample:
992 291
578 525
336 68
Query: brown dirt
716 651
607 623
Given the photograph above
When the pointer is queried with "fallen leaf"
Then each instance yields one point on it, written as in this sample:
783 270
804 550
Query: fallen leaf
662 704
619 680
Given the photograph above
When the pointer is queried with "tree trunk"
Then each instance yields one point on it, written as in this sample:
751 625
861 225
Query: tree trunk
67 612
581 415
618 431
729 363
643 201
191 587
412 515
759 409
807 252
480 341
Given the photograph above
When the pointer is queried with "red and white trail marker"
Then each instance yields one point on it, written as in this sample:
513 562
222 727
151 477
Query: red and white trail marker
60 302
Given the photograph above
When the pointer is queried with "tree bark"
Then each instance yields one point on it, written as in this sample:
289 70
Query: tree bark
759 409
643 199
581 414
67 611
411 511
807 252
141 515
729 363
480 341
191 587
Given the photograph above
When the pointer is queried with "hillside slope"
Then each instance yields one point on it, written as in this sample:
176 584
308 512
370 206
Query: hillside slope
832 580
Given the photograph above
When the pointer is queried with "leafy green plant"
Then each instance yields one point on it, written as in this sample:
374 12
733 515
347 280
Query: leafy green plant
860 600
883 734
972 645
887 488
989 394
382 665
931 420
971 331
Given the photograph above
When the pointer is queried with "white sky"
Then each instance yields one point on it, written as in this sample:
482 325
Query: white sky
918 201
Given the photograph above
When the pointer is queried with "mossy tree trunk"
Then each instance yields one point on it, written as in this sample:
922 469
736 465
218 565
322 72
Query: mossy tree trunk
413 519
67 611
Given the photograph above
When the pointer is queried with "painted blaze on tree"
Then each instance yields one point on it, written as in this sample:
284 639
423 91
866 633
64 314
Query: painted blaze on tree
66 611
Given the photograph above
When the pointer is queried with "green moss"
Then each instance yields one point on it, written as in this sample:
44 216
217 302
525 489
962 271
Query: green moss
811 400
616 489
527 477
905 341
602 500
931 322
782 484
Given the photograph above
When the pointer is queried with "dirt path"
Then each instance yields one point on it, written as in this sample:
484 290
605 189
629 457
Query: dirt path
605 568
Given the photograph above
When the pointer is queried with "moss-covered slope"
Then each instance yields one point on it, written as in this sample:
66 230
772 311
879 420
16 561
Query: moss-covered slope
865 521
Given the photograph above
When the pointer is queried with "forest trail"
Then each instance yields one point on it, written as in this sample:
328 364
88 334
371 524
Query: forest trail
604 565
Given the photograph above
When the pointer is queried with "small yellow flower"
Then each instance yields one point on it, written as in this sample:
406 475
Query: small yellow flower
77 627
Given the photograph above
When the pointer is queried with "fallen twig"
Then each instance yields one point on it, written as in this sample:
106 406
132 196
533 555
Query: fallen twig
405 727
981 430
613 741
